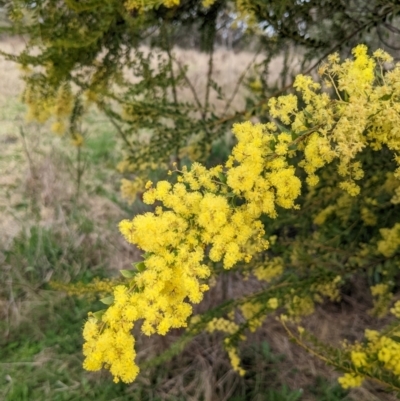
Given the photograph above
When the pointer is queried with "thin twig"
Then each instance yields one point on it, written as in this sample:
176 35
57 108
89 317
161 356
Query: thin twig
171 69
209 78
173 80
79 172
380 36
333 363
239 82
189 83
118 128
391 28
28 155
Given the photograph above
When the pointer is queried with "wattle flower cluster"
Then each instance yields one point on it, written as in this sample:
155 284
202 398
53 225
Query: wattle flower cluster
379 351
199 219
213 216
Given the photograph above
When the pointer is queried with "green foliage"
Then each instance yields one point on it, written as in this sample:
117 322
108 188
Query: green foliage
96 49
324 391
43 254
39 354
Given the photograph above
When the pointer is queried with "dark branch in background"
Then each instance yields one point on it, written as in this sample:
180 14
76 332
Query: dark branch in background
208 84
239 81
171 69
189 83
298 21
117 127
391 28
380 35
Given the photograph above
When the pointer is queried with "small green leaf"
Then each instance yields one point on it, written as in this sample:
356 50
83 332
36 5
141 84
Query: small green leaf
301 133
107 300
141 266
222 177
377 277
99 314
308 114
128 273
388 96
395 338
283 128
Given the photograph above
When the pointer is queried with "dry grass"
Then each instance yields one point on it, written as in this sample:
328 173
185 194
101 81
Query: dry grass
12 161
